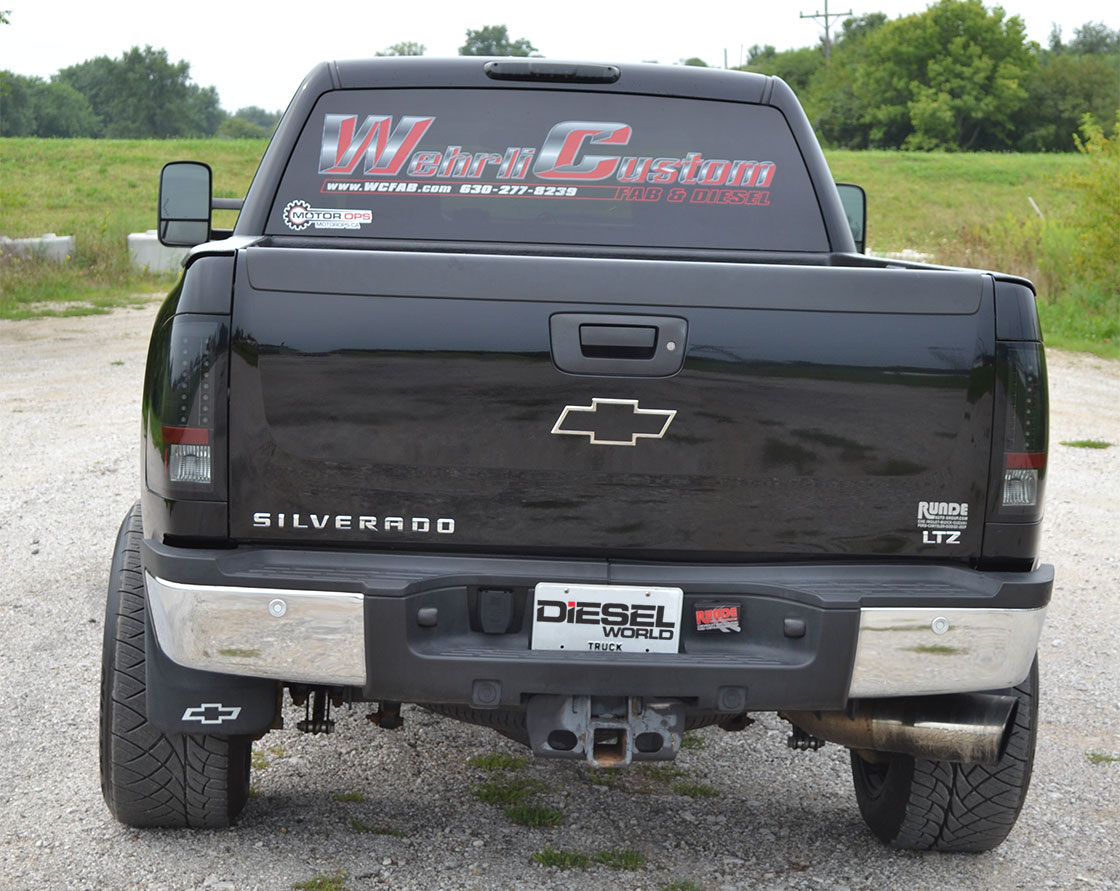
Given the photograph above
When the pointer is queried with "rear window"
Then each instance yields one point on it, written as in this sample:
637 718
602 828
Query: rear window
547 166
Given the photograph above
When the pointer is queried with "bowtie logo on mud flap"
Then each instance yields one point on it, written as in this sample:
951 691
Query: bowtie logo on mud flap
212 713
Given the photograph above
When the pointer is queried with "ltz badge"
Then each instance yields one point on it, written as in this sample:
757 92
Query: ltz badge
942 522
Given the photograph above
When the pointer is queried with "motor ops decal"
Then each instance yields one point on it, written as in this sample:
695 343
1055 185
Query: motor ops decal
300 215
575 160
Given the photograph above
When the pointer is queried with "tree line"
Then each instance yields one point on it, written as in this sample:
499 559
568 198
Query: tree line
141 95
956 77
144 95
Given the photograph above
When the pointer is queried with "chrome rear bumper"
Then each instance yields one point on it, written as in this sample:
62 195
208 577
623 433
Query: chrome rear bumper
919 652
318 637
312 637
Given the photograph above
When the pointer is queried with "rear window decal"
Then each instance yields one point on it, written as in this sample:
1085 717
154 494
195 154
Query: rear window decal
300 215
548 167
379 147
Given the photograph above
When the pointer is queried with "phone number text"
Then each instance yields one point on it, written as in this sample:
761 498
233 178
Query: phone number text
544 191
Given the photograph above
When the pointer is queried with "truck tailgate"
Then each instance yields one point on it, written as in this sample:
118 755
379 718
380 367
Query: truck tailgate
414 399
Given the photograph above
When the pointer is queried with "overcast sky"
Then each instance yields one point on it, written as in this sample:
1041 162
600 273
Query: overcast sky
257 53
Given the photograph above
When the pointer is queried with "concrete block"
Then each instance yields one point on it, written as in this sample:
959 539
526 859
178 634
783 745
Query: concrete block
145 252
56 248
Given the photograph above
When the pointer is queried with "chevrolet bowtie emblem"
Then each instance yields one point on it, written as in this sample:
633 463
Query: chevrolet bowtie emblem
617 422
212 713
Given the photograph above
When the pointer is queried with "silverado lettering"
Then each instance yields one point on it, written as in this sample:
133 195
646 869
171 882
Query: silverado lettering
346 522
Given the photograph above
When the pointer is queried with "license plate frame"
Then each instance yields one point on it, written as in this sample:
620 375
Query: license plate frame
606 618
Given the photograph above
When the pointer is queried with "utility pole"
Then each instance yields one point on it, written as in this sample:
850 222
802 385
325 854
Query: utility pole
827 30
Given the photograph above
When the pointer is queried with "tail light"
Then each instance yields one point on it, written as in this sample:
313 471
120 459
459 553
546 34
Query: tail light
187 454
1021 371
185 417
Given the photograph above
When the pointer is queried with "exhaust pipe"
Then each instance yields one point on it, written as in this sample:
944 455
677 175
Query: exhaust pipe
966 727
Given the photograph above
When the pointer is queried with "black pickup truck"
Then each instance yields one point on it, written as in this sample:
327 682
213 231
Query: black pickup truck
560 398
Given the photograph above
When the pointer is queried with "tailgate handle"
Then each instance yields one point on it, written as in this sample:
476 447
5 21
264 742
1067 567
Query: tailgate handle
608 344
618 341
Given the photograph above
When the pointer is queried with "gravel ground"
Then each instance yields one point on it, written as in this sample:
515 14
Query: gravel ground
69 410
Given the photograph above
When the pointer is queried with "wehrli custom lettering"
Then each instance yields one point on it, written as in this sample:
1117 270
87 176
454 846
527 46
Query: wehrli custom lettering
572 152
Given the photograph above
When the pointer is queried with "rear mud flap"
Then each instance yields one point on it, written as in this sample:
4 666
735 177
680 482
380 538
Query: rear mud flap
185 700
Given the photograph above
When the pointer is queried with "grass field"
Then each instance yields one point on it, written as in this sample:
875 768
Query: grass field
70 186
923 200
98 190
966 209
975 210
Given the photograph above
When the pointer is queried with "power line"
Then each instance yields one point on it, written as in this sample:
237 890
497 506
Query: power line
827 31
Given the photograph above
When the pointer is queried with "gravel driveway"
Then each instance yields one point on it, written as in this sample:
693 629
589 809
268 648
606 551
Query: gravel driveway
399 808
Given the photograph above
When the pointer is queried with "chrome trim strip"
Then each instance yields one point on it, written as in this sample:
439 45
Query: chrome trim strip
311 637
926 651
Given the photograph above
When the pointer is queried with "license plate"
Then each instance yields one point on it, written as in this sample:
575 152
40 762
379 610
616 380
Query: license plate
606 618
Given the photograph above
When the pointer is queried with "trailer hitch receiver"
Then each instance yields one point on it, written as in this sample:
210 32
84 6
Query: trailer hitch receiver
607 731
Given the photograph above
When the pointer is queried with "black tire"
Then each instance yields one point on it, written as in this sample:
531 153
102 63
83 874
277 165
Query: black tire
928 805
150 778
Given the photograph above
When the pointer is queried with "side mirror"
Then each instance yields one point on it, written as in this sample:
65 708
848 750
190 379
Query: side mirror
854 200
184 203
